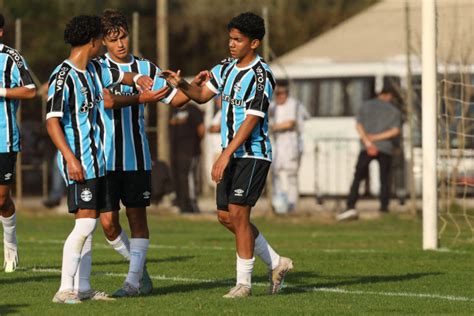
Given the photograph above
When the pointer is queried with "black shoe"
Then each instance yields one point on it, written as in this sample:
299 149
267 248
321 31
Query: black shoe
51 203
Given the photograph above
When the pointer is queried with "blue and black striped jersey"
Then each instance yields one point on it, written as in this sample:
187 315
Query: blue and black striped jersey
244 91
76 97
13 73
126 144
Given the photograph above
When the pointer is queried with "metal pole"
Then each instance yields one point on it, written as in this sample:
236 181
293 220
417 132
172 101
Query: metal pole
162 53
429 105
266 39
135 32
19 184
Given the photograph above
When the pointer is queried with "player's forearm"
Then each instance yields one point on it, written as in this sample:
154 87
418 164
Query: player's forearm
284 126
244 132
179 99
120 101
194 92
363 135
391 133
56 134
20 93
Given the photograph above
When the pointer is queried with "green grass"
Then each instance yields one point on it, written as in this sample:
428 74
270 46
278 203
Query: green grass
371 267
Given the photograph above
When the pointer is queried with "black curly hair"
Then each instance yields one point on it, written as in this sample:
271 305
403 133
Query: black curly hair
112 21
81 29
249 24
2 21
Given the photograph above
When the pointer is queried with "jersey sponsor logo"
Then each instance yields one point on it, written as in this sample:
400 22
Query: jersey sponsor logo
232 101
238 192
8 176
146 195
60 78
16 57
86 195
118 92
260 79
88 105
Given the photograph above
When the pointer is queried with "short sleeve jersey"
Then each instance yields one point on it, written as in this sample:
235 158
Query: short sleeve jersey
126 143
75 96
244 91
13 73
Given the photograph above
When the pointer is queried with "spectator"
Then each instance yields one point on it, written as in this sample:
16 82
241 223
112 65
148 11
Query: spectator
286 121
186 132
378 125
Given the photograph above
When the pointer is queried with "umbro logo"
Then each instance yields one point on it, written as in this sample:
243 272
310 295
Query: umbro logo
146 195
8 176
238 192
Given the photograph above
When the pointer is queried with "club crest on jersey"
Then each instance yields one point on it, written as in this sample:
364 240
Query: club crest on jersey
86 195
237 87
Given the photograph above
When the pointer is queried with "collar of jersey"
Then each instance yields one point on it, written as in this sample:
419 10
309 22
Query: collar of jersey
115 62
73 66
253 63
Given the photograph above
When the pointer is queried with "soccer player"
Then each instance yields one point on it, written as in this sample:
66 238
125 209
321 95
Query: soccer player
15 84
245 83
75 97
127 155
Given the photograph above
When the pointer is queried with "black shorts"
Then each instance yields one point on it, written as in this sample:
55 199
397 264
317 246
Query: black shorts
7 168
133 188
242 183
88 195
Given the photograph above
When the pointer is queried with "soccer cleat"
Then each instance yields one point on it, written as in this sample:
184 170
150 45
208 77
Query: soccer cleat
348 215
66 297
94 296
146 285
239 290
10 258
127 290
277 275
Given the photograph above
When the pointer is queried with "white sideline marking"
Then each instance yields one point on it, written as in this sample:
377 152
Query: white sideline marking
158 246
305 289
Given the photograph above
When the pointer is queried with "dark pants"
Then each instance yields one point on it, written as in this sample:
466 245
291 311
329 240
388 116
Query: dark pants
184 170
362 168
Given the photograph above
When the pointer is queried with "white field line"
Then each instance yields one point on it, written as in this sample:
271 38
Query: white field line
299 288
159 246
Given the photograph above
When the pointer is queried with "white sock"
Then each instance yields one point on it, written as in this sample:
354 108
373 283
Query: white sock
82 277
72 250
265 252
244 271
138 249
121 245
9 231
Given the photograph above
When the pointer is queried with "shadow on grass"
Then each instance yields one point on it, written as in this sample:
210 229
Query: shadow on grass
194 286
11 308
36 278
350 280
148 261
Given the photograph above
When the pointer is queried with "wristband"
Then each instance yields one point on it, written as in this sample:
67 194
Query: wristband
3 92
136 77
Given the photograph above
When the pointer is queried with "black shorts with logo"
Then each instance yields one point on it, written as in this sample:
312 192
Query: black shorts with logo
242 183
87 195
7 168
133 188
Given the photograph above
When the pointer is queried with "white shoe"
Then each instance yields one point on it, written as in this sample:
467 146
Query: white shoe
348 215
66 297
277 275
239 290
10 258
94 296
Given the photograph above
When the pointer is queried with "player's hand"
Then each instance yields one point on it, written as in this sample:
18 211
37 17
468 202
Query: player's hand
201 78
219 167
144 83
75 170
372 151
109 101
153 96
172 77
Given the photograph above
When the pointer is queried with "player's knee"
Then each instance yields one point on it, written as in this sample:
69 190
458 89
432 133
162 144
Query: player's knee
5 202
223 218
111 229
237 219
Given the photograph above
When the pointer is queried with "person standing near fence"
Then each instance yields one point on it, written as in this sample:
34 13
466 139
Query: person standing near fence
378 126
15 84
286 117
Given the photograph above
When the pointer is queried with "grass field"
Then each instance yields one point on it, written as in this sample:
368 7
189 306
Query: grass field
373 267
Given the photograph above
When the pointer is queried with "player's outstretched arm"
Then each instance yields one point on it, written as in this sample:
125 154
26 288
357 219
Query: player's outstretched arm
195 91
134 79
74 167
112 101
18 93
243 133
180 98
